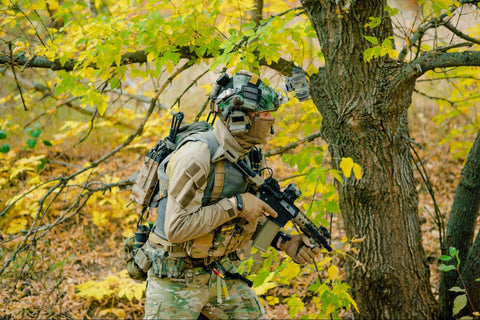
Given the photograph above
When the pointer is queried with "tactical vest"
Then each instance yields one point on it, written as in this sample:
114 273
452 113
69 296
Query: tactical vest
224 181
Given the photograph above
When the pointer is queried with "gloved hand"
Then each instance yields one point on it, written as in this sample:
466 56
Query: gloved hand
300 249
251 208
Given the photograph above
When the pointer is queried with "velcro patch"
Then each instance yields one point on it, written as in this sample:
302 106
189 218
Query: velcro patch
186 187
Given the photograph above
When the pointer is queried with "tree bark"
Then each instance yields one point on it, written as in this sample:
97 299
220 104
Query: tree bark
471 276
364 108
461 231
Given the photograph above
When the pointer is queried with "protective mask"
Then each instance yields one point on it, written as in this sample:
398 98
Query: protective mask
257 134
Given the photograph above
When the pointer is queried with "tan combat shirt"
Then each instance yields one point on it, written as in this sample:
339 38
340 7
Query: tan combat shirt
187 170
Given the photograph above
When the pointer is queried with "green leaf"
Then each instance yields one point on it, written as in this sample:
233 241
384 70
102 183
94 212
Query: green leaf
453 251
31 143
456 289
445 258
332 207
446 268
65 84
459 303
336 175
3 135
47 143
372 40
391 11
4 148
296 305
374 22
35 133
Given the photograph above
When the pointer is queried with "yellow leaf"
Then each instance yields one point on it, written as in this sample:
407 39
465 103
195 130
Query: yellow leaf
34 181
139 290
355 240
103 105
332 272
120 313
99 218
130 294
16 225
291 269
354 304
265 286
346 165
150 56
272 300
393 53
357 170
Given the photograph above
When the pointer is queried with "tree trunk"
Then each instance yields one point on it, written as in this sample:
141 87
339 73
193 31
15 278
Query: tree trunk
471 276
364 108
461 230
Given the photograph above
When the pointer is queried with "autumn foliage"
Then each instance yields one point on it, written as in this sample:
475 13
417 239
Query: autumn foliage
86 88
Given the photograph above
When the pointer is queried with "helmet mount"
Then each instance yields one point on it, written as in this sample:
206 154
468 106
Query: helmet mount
244 91
234 98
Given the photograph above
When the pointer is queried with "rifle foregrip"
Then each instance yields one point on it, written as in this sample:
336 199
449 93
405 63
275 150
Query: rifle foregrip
309 228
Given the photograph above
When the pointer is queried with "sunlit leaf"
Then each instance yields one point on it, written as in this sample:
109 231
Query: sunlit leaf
357 170
446 268
459 303
346 165
373 40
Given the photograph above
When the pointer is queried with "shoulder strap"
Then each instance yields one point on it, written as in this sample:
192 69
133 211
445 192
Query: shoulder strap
207 137
219 180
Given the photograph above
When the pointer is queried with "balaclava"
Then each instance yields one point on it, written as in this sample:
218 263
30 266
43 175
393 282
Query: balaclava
257 134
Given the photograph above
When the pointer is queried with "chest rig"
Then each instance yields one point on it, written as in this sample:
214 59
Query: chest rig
224 181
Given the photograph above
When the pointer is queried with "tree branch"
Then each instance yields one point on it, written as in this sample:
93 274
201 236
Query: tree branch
459 33
293 145
283 66
433 23
431 60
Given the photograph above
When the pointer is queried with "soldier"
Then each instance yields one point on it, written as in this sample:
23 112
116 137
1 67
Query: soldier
207 219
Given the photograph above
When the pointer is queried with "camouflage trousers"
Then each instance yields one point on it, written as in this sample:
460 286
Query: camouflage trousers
198 291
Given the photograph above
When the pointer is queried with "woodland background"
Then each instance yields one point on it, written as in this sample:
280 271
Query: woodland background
71 139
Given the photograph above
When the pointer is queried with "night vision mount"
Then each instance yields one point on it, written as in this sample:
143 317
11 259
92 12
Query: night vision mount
298 83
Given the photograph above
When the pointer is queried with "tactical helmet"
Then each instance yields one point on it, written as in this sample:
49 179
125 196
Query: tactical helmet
243 91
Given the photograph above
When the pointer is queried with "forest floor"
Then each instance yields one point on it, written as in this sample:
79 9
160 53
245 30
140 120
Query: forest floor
79 253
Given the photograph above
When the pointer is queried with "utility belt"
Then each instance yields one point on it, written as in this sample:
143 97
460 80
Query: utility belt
179 251
180 265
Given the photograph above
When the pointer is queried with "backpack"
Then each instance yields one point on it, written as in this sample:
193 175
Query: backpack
147 185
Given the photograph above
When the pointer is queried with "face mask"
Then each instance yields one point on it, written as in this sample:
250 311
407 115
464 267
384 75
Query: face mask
257 134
